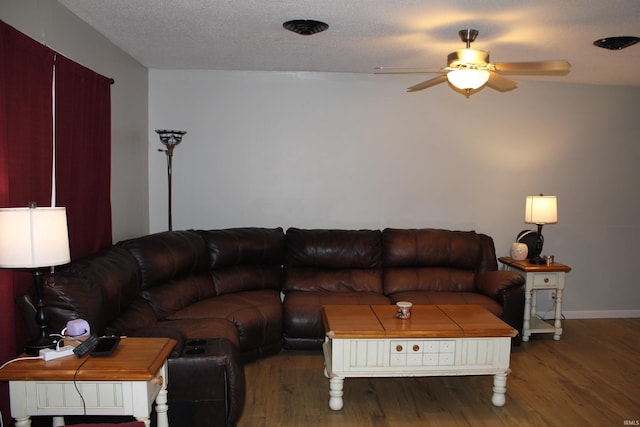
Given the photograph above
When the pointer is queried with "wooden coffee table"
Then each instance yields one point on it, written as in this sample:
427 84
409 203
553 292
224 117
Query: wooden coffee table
438 340
125 383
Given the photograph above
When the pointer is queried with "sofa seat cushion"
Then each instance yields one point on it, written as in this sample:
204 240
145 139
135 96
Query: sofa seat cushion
257 315
302 318
433 298
428 279
193 329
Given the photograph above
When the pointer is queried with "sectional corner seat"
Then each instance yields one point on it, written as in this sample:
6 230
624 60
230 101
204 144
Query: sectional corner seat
236 295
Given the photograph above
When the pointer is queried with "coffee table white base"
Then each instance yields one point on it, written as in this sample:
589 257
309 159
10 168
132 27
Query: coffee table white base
393 357
57 398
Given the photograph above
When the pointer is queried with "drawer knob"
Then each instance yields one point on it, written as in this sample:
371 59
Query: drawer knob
416 347
398 348
546 280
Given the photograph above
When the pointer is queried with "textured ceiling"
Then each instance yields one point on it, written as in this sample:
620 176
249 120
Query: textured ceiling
364 34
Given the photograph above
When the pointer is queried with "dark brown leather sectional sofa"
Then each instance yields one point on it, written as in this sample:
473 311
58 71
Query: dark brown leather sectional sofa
237 295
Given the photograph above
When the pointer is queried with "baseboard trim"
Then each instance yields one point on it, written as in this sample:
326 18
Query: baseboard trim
600 314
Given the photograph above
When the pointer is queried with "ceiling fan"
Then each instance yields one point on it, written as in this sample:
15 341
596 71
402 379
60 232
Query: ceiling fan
469 69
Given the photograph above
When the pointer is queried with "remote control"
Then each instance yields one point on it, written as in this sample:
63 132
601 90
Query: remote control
86 346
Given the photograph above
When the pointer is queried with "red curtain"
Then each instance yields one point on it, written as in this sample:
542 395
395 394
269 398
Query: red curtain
83 155
26 147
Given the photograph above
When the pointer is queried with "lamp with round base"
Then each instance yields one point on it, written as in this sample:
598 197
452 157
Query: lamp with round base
34 239
540 210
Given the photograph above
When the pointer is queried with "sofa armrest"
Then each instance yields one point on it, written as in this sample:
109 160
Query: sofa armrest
162 332
507 288
207 388
494 283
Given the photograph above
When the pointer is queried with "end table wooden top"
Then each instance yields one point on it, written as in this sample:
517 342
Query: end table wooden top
135 359
427 321
525 265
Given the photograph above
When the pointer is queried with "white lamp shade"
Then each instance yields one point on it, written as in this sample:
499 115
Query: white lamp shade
468 78
33 237
541 210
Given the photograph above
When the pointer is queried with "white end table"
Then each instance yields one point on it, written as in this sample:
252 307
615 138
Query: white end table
125 383
539 277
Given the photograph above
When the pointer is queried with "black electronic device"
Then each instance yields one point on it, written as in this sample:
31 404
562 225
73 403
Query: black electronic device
86 345
105 346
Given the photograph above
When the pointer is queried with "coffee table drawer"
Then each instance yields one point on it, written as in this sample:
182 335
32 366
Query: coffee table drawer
422 352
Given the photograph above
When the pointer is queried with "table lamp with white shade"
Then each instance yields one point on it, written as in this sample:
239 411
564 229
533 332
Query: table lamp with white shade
540 210
35 239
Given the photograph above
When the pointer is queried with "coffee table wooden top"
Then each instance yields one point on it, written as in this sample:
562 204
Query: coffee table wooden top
427 321
135 359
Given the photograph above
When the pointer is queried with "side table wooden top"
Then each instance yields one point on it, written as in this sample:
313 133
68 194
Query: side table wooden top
525 265
135 359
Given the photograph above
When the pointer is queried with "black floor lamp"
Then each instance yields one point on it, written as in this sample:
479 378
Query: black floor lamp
35 239
170 139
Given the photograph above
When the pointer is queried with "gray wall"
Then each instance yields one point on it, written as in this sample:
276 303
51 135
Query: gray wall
51 24
356 151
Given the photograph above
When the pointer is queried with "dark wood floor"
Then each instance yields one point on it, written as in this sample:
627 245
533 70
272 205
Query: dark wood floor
591 377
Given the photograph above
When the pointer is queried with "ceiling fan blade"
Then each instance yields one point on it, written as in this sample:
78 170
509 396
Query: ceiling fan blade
428 83
533 68
389 70
501 83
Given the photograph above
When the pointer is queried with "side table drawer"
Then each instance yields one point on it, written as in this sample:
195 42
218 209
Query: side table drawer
541 280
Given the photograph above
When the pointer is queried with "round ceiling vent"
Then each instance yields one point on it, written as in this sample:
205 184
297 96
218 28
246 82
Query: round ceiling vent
616 43
305 27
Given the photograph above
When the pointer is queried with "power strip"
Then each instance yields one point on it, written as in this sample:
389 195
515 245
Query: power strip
50 354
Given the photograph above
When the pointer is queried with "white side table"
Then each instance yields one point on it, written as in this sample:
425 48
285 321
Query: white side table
125 383
539 277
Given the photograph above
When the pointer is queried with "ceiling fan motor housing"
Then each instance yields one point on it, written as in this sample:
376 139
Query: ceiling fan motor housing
468 58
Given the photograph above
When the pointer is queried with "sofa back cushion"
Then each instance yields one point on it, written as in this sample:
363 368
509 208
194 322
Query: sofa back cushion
167 255
96 288
174 268
333 260
430 259
244 259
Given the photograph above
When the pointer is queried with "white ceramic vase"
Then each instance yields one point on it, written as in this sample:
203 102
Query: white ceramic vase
519 251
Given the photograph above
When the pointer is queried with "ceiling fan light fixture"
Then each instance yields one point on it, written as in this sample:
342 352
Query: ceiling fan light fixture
468 78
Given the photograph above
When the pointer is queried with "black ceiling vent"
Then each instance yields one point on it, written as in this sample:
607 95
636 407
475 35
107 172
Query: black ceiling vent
305 27
616 43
